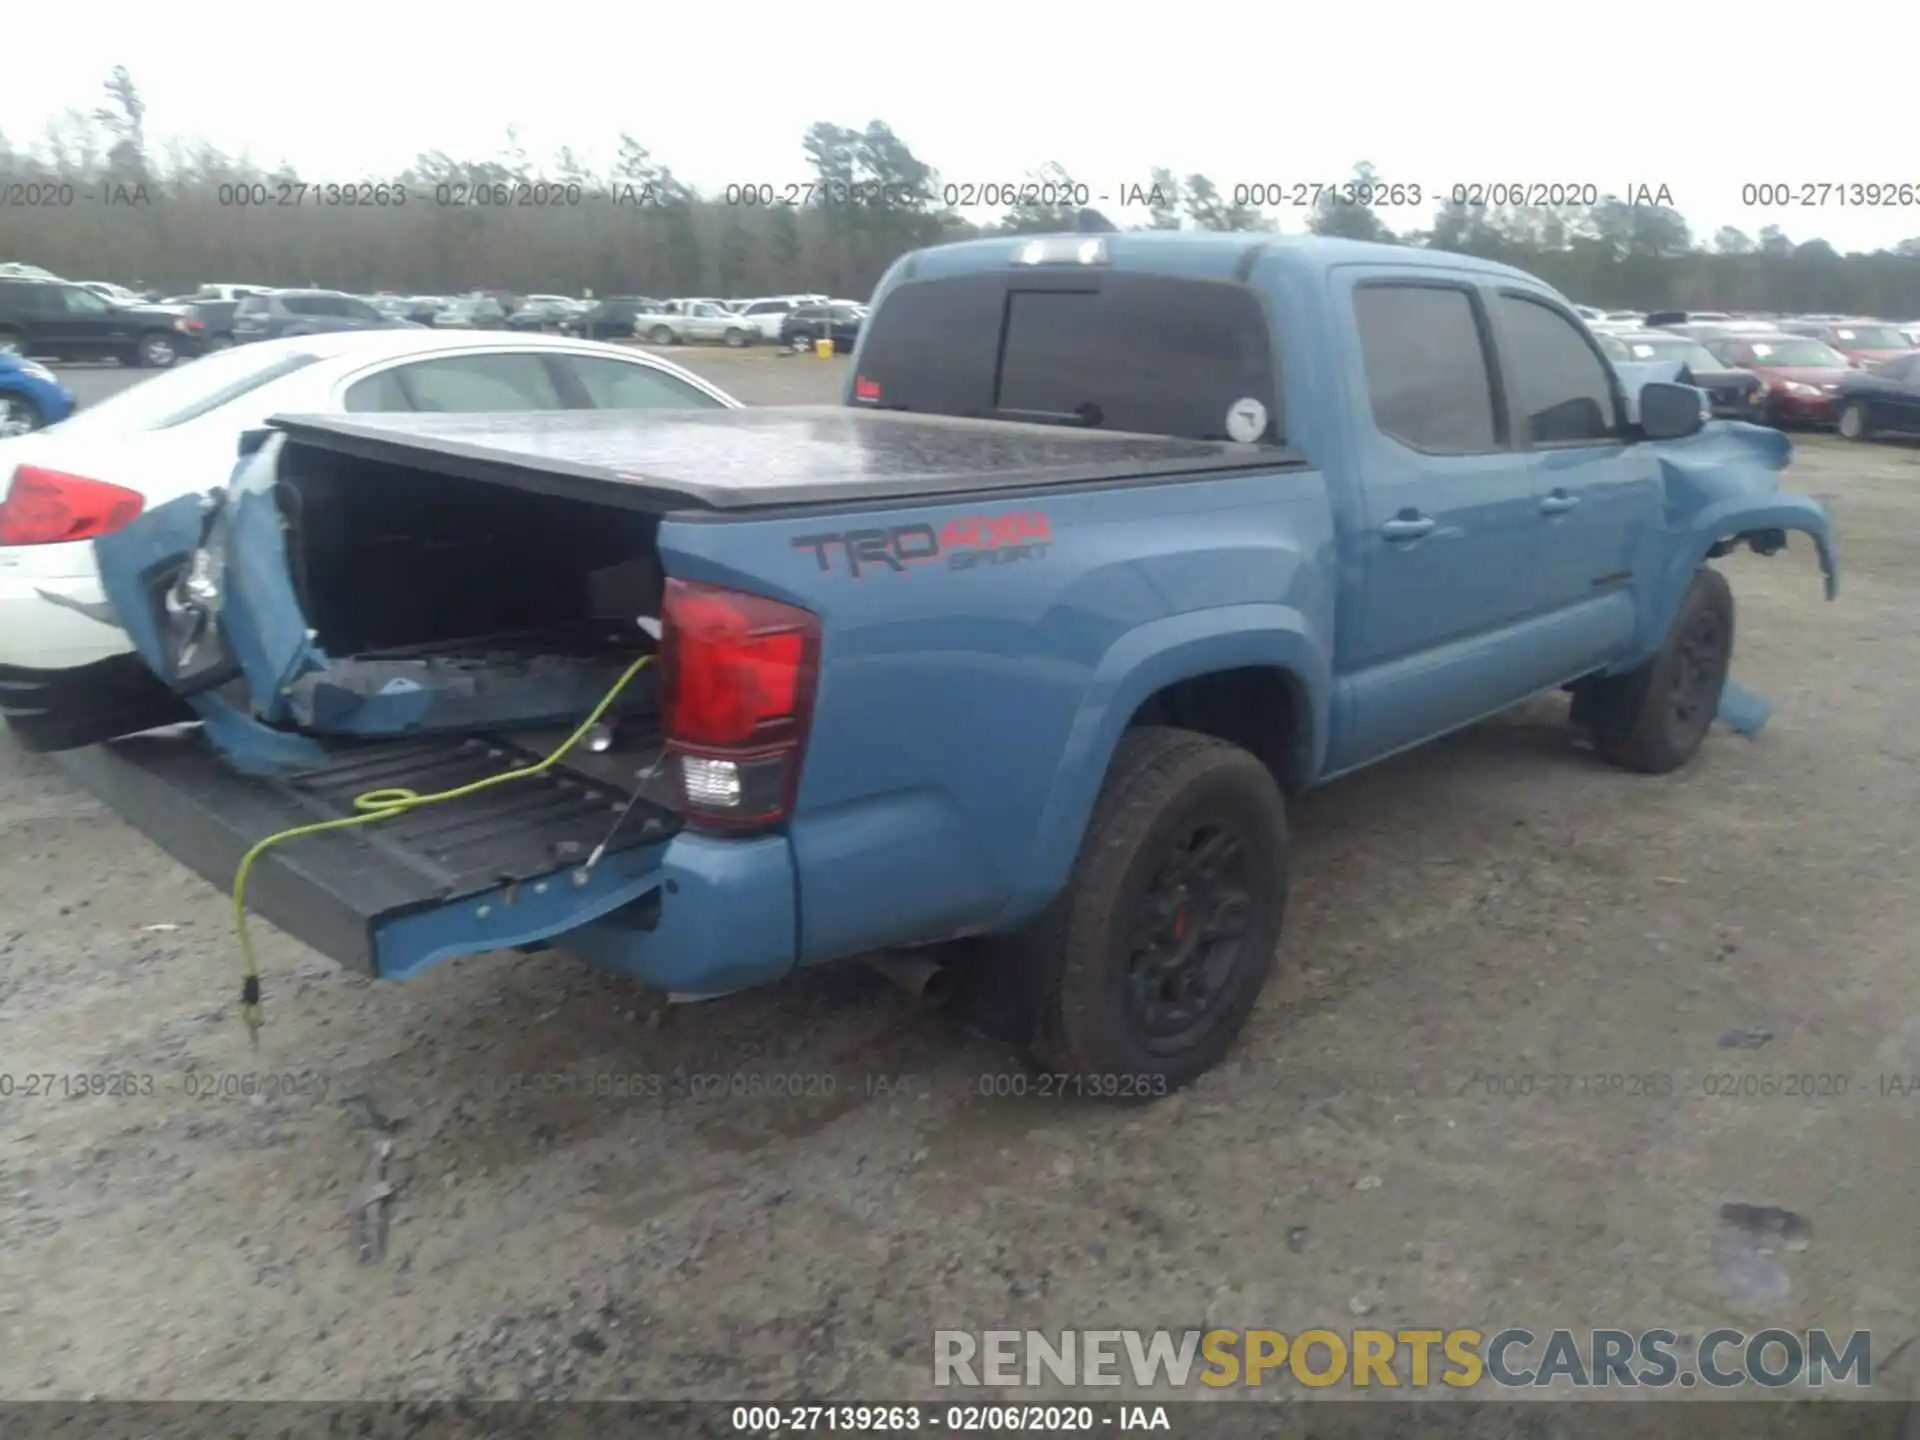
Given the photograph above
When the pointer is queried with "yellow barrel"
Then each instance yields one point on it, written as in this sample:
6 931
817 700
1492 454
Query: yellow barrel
823 348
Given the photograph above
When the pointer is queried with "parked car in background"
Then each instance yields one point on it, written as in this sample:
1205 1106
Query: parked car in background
765 315
392 307
1732 393
13 269
66 669
113 294
1802 374
31 397
548 314
611 318
472 312
1912 332
807 324
280 313
228 292
1864 342
63 321
694 321
1882 399
217 318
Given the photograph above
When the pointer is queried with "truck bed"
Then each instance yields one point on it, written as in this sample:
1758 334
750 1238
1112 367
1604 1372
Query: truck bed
764 457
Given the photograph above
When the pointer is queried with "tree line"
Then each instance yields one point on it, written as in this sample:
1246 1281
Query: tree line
92 198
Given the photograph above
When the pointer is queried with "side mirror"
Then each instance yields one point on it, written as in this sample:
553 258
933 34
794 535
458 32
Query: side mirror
1670 412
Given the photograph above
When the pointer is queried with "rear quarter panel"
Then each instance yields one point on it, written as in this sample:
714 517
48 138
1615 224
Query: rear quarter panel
968 704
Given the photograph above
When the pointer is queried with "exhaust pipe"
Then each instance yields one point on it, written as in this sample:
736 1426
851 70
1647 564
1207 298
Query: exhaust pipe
918 976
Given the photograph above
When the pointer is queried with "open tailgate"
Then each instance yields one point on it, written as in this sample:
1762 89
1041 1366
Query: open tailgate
503 868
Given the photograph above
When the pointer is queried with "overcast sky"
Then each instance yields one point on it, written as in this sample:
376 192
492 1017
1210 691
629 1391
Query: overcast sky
1700 98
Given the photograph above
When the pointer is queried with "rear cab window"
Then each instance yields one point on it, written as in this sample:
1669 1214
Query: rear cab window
1148 354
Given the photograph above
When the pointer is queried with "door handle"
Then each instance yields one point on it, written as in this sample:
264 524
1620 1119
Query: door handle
1408 527
1558 503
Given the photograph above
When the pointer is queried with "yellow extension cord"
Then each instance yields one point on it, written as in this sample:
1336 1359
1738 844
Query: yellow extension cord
378 805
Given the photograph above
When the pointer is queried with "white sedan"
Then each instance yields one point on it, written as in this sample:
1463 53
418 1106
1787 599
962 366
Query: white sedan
64 662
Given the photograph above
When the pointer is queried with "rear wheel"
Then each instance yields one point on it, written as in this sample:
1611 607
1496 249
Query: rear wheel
18 415
156 350
737 339
660 335
800 344
1655 719
1852 424
1147 966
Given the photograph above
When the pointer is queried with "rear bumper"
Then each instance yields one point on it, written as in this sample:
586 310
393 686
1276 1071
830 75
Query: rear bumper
393 898
49 710
1805 409
44 634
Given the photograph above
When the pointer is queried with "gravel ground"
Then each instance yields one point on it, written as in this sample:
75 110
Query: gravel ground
1472 918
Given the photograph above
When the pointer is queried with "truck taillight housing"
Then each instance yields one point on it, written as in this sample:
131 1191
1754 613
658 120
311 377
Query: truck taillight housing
50 507
738 673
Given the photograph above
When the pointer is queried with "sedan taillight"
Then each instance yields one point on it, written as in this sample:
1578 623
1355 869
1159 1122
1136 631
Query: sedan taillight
51 507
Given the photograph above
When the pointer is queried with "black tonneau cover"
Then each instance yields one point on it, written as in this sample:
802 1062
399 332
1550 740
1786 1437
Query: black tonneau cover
759 457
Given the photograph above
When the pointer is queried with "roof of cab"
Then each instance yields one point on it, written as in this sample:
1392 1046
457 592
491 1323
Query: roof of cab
1215 254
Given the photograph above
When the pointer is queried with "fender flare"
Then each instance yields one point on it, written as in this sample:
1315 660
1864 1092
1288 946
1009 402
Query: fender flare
1722 522
1142 661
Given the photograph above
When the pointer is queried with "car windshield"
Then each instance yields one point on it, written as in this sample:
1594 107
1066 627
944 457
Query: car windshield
1789 351
176 396
1870 337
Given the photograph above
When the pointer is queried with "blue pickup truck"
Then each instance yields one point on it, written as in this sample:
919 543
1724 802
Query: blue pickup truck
1010 662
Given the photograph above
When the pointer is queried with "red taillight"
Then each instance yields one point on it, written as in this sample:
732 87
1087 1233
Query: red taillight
46 507
737 683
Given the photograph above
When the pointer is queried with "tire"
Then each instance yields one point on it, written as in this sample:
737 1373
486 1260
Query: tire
660 335
155 350
800 345
18 415
737 339
11 343
1169 795
1655 719
1852 423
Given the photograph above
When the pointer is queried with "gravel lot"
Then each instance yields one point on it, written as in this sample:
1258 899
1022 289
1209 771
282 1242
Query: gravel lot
1493 909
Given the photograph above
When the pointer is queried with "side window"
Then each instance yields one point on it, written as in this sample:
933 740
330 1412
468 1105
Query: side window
481 383
375 394
618 385
1566 394
251 305
1427 371
82 302
33 298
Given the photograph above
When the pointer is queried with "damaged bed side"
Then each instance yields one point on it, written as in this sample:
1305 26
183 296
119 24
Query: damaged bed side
453 640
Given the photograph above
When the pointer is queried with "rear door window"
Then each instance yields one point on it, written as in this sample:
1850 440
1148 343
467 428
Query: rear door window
377 394
1428 379
1143 353
478 383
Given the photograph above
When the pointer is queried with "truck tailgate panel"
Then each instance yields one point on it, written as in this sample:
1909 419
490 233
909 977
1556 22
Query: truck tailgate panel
332 890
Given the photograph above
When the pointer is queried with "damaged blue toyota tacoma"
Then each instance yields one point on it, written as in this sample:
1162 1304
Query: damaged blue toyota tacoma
1010 662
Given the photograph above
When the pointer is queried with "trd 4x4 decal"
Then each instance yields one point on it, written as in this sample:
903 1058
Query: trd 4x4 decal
970 541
